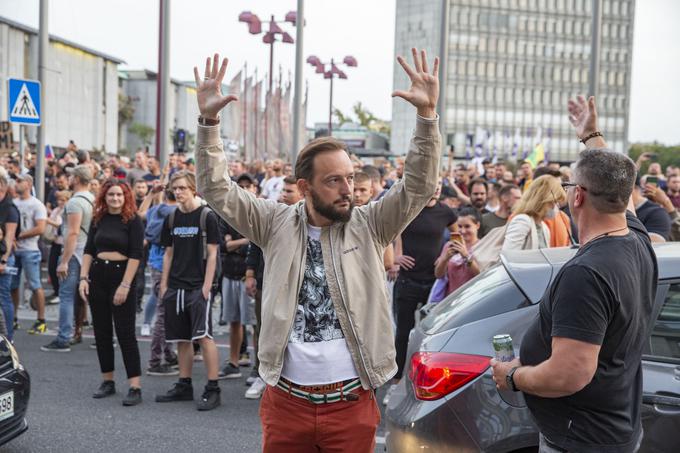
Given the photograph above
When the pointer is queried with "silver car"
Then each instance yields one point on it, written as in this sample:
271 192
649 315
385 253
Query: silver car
447 401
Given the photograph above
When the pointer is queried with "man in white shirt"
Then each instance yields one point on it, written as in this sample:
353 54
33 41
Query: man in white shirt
33 217
274 185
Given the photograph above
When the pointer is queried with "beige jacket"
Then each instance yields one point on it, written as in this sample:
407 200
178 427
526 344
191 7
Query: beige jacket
522 234
352 252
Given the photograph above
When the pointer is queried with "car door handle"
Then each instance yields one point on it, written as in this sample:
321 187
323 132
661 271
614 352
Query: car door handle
663 404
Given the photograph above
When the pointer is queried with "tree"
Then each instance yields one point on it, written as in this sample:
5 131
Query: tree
143 132
126 109
342 118
365 118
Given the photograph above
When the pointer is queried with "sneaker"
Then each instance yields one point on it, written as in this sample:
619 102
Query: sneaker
244 360
388 395
76 339
256 390
198 357
56 346
52 300
172 363
179 392
16 325
146 330
210 399
252 377
161 370
230 371
107 388
133 398
38 328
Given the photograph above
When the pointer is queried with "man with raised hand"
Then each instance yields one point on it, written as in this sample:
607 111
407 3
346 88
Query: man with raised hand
580 369
327 340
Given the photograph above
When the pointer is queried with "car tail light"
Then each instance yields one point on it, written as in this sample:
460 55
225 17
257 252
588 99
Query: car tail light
436 374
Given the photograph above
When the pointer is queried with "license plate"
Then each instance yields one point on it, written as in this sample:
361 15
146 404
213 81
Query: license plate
6 405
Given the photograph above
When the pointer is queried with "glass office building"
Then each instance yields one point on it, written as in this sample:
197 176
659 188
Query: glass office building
512 66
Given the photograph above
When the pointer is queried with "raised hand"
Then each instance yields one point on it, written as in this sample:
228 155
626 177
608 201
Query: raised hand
424 91
209 90
583 115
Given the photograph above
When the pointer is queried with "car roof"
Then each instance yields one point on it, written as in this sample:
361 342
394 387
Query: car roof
532 270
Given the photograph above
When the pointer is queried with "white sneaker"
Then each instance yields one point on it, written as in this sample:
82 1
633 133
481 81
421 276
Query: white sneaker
256 390
146 330
391 389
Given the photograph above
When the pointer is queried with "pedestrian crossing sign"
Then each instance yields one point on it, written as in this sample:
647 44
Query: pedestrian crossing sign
24 101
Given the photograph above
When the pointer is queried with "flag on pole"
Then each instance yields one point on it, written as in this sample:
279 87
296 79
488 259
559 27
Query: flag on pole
49 152
537 156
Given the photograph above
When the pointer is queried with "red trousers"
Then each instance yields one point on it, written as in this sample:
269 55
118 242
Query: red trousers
291 424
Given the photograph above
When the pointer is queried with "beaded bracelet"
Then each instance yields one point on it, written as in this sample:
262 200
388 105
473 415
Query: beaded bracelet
593 135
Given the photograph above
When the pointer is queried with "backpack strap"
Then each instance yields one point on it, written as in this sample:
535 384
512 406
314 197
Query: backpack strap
204 233
171 220
84 198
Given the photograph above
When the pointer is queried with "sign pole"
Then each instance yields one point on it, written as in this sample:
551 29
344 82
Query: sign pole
21 148
43 45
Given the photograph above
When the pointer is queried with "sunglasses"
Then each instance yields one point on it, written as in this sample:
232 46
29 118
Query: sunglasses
567 185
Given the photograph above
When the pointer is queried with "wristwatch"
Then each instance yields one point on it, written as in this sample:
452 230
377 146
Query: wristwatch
510 381
208 121
3 261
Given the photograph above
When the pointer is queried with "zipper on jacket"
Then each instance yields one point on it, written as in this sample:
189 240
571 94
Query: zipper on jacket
297 292
344 304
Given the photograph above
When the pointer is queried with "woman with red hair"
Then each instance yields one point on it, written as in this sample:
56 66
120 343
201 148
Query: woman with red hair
112 254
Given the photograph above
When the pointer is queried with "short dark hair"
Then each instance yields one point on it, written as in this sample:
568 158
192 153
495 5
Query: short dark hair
540 171
448 192
474 182
289 180
608 178
372 172
469 211
304 167
505 190
360 177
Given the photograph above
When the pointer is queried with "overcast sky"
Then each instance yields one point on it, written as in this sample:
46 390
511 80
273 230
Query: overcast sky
128 29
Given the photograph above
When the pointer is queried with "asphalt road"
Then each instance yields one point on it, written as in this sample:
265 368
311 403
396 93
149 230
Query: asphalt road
63 416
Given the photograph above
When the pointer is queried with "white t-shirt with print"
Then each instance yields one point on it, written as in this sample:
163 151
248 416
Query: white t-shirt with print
317 352
31 210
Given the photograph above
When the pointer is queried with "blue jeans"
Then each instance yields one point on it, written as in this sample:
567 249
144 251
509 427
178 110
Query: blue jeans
6 299
67 294
150 308
28 262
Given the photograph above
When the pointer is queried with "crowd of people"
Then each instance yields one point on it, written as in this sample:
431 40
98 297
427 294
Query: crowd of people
108 228
523 206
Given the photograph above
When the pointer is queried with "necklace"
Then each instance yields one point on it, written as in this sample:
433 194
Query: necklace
607 234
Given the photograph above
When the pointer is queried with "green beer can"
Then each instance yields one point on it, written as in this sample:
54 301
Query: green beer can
502 346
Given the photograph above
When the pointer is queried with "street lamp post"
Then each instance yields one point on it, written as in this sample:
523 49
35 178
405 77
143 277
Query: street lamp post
331 73
255 28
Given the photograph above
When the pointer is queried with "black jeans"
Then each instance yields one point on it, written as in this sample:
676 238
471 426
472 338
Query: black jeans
105 277
407 295
52 263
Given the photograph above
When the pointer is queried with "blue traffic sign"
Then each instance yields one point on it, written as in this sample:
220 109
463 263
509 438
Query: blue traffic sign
24 101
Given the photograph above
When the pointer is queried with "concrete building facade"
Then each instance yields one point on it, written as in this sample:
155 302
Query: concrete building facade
80 98
512 66
140 87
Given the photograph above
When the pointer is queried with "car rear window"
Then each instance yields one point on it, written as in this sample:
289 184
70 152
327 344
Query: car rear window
489 294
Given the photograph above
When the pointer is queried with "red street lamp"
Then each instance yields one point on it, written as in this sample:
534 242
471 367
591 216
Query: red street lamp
255 28
330 71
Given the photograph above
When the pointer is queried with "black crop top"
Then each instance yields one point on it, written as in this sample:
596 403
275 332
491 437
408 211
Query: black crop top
110 234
